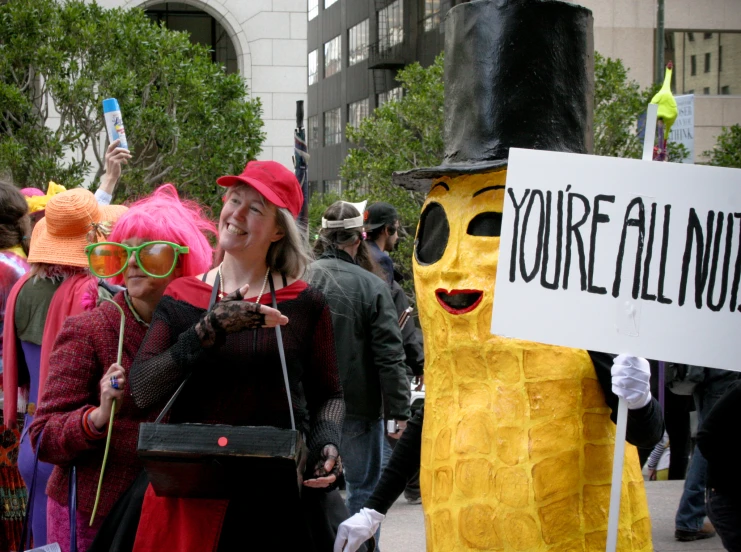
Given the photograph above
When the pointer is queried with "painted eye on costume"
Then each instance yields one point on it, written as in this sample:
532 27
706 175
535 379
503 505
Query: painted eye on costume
486 224
432 236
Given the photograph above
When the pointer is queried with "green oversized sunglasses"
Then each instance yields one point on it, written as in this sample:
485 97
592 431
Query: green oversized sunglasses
156 258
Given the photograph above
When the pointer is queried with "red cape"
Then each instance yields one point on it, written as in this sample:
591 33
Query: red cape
67 301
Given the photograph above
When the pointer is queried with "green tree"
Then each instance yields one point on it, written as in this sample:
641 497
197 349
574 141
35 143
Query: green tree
400 135
618 103
727 150
187 121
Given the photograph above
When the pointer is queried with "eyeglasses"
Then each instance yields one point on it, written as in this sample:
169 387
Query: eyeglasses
156 258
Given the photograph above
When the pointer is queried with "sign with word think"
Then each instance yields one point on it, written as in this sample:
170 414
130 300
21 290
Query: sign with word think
621 256
683 130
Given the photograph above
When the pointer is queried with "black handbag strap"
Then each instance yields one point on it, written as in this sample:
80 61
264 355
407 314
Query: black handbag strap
211 303
281 353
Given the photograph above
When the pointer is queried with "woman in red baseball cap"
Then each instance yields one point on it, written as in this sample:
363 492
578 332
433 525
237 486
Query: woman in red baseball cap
217 330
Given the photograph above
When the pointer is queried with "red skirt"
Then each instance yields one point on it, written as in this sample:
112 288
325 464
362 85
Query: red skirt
183 524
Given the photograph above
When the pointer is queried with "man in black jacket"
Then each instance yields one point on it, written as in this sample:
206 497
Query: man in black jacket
716 440
370 354
383 228
689 522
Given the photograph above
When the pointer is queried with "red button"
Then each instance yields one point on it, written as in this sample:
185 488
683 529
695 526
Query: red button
223 441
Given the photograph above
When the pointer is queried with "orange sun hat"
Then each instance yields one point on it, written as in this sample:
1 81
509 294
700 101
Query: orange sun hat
73 220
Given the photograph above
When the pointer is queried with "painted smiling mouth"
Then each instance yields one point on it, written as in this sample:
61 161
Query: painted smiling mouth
459 301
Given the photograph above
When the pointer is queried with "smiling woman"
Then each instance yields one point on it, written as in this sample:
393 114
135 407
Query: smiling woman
216 333
146 250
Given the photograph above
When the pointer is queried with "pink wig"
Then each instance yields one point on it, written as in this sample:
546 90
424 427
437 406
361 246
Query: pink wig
164 216
31 192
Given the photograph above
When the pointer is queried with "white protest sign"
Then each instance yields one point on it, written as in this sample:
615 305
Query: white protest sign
683 130
621 256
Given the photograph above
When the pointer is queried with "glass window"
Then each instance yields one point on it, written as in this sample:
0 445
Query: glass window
313 187
706 90
333 187
706 36
313 67
725 90
312 132
313 9
332 56
328 3
202 29
358 43
393 94
691 37
357 111
391 25
332 127
700 64
432 14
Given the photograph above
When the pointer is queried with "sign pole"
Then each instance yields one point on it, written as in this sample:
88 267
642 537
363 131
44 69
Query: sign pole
622 417
617 476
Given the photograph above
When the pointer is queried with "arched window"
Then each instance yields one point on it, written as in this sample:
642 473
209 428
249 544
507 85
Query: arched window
203 29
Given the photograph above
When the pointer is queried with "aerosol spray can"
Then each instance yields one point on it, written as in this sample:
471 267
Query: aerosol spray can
114 122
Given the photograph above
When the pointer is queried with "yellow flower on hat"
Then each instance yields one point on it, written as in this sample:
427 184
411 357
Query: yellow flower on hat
38 203
54 189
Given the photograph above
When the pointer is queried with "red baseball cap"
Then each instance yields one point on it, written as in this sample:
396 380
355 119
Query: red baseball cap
275 182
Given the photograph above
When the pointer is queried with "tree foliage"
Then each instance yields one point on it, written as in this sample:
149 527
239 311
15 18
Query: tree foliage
408 133
401 134
727 150
187 121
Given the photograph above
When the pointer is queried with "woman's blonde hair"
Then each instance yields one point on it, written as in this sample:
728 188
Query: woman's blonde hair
290 254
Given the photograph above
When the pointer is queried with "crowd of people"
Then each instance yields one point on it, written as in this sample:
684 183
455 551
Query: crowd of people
113 316
109 310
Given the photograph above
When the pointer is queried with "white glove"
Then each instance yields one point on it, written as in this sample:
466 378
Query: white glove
630 380
353 532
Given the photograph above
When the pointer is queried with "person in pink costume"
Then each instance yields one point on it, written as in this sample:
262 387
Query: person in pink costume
71 423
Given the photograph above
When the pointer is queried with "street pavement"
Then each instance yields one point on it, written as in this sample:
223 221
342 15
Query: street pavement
403 530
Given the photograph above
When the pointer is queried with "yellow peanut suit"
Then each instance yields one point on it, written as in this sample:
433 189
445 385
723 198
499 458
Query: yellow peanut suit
517 441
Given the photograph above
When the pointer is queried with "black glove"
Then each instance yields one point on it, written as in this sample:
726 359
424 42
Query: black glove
328 464
230 315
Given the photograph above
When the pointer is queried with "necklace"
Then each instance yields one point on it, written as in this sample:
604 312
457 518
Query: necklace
264 284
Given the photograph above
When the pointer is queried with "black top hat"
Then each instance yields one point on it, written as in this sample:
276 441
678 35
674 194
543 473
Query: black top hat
518 73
